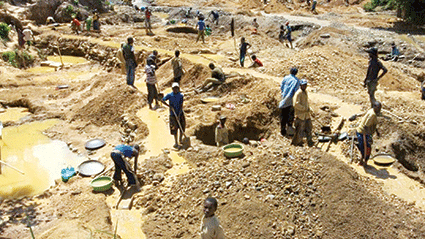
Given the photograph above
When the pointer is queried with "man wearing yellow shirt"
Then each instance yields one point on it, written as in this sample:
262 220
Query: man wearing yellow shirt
365 131
302 110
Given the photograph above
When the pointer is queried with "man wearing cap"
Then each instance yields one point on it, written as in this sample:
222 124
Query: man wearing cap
367 127
217 78
130 61
303 123
177 119
372 78
288 87
221 133
118 154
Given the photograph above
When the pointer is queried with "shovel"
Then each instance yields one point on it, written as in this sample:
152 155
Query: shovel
324 128
186 140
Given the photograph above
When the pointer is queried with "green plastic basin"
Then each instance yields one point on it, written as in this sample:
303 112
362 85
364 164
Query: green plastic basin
101 184
233 150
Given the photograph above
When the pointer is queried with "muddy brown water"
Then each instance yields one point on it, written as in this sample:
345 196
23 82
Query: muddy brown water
40 158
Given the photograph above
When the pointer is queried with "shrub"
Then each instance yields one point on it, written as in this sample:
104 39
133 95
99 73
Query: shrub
69 10
10 56
4 31
1 4
386 4
17 59
413 10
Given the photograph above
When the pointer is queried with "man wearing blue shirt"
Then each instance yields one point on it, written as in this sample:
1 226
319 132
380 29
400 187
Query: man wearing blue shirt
201 27
118 154
177 119
288 87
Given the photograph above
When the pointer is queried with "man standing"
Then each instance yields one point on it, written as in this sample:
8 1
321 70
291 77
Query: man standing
201 28
365 131
130 61
243 49
88 23
303 123
177 66
28 36
288 87
210 227
148 25
151 83
96 23
154 58
118 154
221 133
371 80
288 34
217 78
177 119
313 7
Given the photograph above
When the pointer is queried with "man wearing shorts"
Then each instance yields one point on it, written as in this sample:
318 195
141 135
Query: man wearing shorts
177 119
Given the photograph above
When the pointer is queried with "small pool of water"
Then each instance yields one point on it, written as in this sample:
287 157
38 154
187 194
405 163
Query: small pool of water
13 114
41 69
67 59
38 157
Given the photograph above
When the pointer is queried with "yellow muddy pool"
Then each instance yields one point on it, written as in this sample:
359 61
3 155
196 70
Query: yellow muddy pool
38 157
13 114
41 69
67 59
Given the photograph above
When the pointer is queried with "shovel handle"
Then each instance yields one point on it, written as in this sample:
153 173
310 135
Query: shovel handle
178 121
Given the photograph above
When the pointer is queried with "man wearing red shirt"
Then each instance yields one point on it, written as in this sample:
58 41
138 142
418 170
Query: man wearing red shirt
256 62
76 25
148 25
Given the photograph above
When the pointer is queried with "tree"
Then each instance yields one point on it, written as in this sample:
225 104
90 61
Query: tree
412 11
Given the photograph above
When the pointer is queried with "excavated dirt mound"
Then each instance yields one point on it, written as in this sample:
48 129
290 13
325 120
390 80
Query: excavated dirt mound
277 194
108 107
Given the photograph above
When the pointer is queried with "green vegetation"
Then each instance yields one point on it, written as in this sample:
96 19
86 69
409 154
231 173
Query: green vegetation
4 31
17 59
69 10
411 10
1 4
386 4
10 56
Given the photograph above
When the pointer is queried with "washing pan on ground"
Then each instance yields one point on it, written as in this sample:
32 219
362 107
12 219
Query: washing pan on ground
383 159
94 144
90 167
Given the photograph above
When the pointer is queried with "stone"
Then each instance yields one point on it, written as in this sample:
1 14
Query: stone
158 177
326 35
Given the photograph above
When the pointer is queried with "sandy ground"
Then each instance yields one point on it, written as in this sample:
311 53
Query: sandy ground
275 190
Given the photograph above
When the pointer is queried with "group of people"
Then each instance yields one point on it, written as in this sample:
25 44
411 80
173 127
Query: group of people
76 24
295 109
